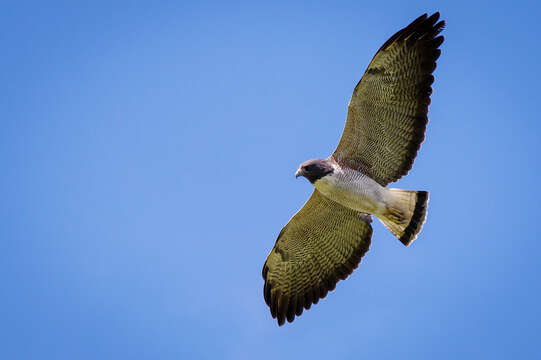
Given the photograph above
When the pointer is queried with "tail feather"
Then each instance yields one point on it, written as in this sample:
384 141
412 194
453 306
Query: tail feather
406 214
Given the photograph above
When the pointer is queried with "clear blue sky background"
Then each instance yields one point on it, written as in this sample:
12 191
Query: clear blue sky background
148 156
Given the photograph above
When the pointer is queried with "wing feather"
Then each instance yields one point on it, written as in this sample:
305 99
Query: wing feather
321 244
387 114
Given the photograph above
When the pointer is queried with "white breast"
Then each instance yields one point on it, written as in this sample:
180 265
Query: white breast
354 190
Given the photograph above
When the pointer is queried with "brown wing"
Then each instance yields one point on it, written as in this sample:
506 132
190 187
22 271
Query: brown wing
387 114
321 244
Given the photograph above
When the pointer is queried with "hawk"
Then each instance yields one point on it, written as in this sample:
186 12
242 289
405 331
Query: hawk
386 121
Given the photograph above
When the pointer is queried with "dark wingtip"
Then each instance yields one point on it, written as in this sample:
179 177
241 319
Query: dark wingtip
418 27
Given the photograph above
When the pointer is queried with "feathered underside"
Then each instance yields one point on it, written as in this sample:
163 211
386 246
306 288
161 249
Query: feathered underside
387 116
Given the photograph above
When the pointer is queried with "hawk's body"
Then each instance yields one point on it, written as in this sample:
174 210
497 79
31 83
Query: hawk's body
354 190
386 121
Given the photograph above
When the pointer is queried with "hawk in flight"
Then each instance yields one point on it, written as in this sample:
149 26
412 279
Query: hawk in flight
386 121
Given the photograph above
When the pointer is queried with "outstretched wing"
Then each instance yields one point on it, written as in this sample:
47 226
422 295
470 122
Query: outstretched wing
387 114
321 244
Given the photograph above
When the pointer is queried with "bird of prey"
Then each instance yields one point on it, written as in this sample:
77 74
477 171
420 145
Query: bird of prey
386 121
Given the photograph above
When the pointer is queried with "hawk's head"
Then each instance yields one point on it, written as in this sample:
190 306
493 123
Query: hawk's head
315 169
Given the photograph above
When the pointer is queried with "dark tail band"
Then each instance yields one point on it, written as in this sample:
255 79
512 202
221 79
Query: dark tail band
417 220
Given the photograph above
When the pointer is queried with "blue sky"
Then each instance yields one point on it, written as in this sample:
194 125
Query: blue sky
149 153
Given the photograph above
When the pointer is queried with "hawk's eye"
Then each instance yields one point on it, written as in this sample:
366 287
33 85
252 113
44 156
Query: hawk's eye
309 167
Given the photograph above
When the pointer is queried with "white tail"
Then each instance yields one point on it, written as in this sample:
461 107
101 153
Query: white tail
406 214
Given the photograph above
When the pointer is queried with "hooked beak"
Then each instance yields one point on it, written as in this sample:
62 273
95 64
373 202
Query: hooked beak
299 173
